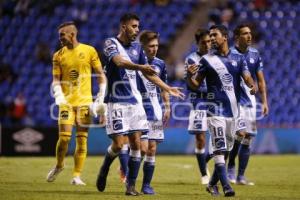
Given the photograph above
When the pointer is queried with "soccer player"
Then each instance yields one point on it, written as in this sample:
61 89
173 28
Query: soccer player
153 98
223 70
198 119
72 70
125 114
243 41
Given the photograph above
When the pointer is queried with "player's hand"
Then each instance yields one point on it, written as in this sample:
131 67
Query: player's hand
265 109
98 107
102 120
148 70
192 70
253 89
59 95
166 117
176 91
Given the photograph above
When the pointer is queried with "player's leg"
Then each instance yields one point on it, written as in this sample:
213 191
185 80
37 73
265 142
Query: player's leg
148 168
232 155
138 125
116 126
134 162
219 132
201 156
123 158
65 121
244 155
83 121
112 152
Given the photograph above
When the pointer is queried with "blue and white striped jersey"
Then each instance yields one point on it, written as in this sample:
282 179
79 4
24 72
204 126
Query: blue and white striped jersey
255 64
196 97
122 83
223 77
151 94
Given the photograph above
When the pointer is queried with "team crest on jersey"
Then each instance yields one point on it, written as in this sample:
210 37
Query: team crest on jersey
234 63
134 52
251 60
81 55
226 78
108 42
157 70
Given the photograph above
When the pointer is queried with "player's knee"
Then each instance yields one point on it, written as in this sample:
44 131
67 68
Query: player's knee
64 138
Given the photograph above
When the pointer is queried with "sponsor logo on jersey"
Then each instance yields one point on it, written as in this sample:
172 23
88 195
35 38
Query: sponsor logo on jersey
219 143
117 125
73 74
226 78
197 124
64 115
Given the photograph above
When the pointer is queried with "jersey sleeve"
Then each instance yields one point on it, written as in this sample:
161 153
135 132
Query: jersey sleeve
188 61
95 61
244 67
164 75
56 70
260 65
203 67
110 49
142 58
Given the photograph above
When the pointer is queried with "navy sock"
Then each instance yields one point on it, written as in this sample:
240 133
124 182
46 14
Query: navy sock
221 170
108 159
208 157
233 153
148 172
201 163
133 169
124 157
244 155
214 178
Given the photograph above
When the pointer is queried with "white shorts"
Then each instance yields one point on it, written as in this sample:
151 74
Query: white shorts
248 115
156 131
125 118
197 121
222 131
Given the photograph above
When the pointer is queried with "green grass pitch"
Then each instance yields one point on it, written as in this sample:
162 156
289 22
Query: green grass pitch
176 177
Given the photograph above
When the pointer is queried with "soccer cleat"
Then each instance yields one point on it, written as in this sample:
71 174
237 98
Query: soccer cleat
228 191
122 176
147 189
205 180
231 174
77 181
101 180
130 191
53 174
241 180
213 190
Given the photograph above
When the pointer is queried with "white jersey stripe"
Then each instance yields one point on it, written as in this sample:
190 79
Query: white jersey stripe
226 79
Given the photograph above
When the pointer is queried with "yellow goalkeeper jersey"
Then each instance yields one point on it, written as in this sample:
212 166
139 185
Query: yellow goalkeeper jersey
74 66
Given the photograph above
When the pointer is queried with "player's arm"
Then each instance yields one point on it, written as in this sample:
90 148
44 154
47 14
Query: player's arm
246 75
56 83
263 91
174 91
191 71
121 62
98 107
167 111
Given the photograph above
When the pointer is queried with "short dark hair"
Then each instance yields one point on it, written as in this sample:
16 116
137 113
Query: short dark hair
127 17
68 23
223 29
200 33
236 31
146 36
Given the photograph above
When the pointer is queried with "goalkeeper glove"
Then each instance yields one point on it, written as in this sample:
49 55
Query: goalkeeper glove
59 95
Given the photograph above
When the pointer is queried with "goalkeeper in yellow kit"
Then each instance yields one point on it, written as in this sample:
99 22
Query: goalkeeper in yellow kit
72 71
